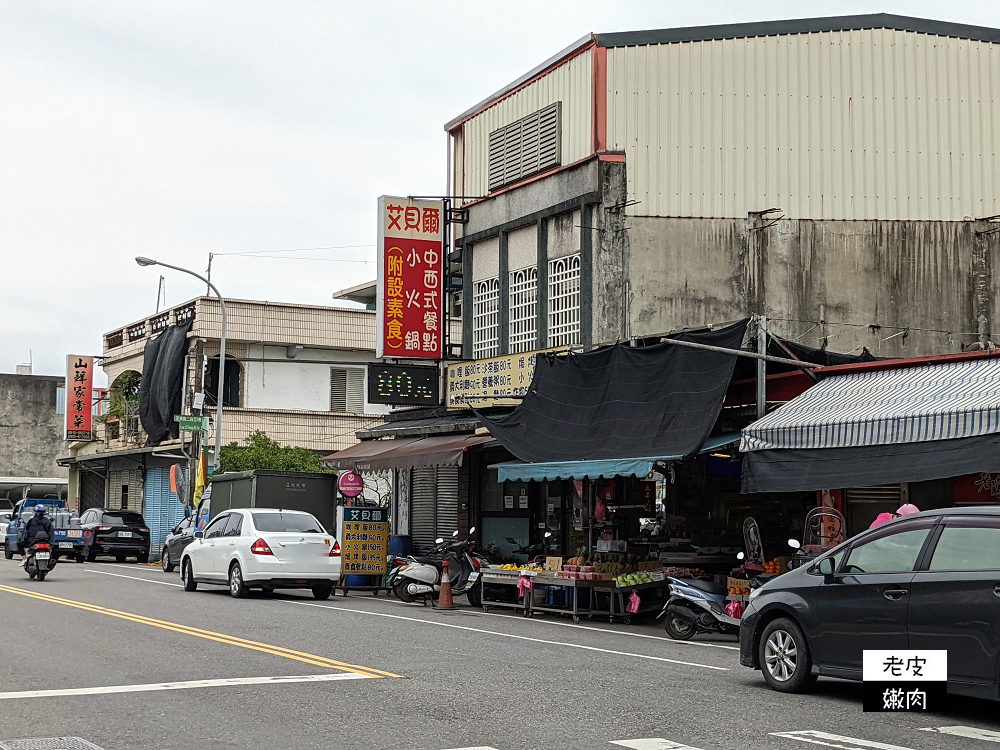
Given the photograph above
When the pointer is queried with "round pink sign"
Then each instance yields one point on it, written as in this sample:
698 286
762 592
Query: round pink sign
351 484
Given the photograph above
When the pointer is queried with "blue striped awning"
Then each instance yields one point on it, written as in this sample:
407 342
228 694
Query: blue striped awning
522 471
886 407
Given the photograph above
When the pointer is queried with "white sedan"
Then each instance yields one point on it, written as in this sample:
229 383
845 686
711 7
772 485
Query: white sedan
263 548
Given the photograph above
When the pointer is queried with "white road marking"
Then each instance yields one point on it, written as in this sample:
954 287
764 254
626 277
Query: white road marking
835 740
135 578
187 685
653 743
511 635
972 733
477 747
491 632
623 632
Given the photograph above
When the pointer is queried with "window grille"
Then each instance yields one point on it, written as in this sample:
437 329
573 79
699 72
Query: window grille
564 301
116 339
184 314
525 147
485 318
523 308
347 390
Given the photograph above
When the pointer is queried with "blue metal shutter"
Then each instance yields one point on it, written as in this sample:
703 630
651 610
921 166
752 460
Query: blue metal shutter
162 509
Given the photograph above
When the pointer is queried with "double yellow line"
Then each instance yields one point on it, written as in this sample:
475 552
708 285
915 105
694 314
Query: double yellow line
319 661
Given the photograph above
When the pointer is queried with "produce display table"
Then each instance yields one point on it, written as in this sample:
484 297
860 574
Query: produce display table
494 577
571 588
652 596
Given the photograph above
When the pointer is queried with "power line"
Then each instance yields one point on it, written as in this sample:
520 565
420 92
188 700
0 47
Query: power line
294 250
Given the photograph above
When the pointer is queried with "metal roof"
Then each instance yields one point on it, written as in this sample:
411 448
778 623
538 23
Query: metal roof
742 31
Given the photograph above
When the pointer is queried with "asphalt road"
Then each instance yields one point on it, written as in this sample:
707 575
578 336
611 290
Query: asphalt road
466 679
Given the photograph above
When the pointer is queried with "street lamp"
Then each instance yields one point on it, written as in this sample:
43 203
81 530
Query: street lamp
222 349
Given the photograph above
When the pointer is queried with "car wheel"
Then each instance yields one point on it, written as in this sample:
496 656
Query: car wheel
401 593
322 592
143 558
678 628
91 555
120 558
187 575
237 586
168 567
784 657
81 558
8 553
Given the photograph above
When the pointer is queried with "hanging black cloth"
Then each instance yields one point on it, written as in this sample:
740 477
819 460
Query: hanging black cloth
620 402
161 392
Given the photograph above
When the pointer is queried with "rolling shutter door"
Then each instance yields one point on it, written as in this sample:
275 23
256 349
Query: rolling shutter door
447 500
91 491
161 508
423 508
865 503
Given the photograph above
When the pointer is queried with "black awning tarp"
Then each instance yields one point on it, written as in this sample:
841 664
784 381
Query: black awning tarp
620 402
796 470
162 389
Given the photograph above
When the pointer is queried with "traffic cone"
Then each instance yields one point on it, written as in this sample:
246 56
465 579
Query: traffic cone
444 600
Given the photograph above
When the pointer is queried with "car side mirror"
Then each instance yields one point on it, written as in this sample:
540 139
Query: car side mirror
199 535
827 570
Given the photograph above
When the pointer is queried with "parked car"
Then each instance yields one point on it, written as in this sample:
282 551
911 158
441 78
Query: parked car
6 505
5 516
925 581
180 537
120 533
263 548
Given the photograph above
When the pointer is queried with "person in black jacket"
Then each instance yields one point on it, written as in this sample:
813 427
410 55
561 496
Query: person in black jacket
38 522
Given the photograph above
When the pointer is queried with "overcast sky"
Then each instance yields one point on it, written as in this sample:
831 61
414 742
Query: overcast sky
175 129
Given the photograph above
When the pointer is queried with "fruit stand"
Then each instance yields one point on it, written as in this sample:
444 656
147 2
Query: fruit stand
506 576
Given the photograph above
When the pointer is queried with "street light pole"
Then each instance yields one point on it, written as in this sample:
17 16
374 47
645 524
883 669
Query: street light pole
222 349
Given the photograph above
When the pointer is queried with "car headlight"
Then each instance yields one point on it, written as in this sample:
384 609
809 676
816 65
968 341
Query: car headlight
754 593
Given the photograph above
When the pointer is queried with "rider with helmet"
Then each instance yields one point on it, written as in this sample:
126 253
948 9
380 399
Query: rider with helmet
38 522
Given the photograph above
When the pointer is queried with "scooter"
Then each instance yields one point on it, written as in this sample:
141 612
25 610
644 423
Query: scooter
421 576
700 606
38 561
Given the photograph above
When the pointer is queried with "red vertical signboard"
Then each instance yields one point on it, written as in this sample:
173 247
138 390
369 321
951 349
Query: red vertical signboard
79 393
410 278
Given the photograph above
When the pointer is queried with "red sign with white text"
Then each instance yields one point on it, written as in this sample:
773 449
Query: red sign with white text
79 392
410 278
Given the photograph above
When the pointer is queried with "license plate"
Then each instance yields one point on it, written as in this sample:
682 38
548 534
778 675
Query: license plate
473 577
65 545
41 555
125 534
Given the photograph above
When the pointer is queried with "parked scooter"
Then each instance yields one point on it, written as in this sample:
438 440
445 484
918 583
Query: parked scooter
696 606
533 551
38 560
421 576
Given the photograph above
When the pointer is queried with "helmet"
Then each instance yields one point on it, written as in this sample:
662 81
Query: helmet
40 508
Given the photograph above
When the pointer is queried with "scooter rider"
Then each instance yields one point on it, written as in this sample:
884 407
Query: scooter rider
38 522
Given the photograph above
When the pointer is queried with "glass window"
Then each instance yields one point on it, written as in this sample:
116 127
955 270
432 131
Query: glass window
893 553
296 523
123 519
968 545
235 525
217 528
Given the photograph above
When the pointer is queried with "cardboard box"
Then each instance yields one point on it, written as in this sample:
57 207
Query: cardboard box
553 563
737 583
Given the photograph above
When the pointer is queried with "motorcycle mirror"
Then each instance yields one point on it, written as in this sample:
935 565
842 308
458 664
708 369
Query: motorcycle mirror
472 530
740 555
795 544
439 540
454 533
548 534
511 540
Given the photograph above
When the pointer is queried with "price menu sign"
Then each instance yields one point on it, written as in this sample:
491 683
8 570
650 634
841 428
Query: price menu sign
364 539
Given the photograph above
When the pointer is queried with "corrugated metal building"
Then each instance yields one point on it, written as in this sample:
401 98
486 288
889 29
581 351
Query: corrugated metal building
654 157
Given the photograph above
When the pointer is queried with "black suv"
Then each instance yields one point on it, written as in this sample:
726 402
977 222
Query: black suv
926 581
121 533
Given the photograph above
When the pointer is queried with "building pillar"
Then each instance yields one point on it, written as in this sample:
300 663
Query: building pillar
468 300
542 320
503 301
586 275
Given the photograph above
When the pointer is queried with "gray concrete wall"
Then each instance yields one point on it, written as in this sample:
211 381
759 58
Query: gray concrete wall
850 284
31 433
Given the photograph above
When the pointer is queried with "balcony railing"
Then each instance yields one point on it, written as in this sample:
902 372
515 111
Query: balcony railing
149 327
